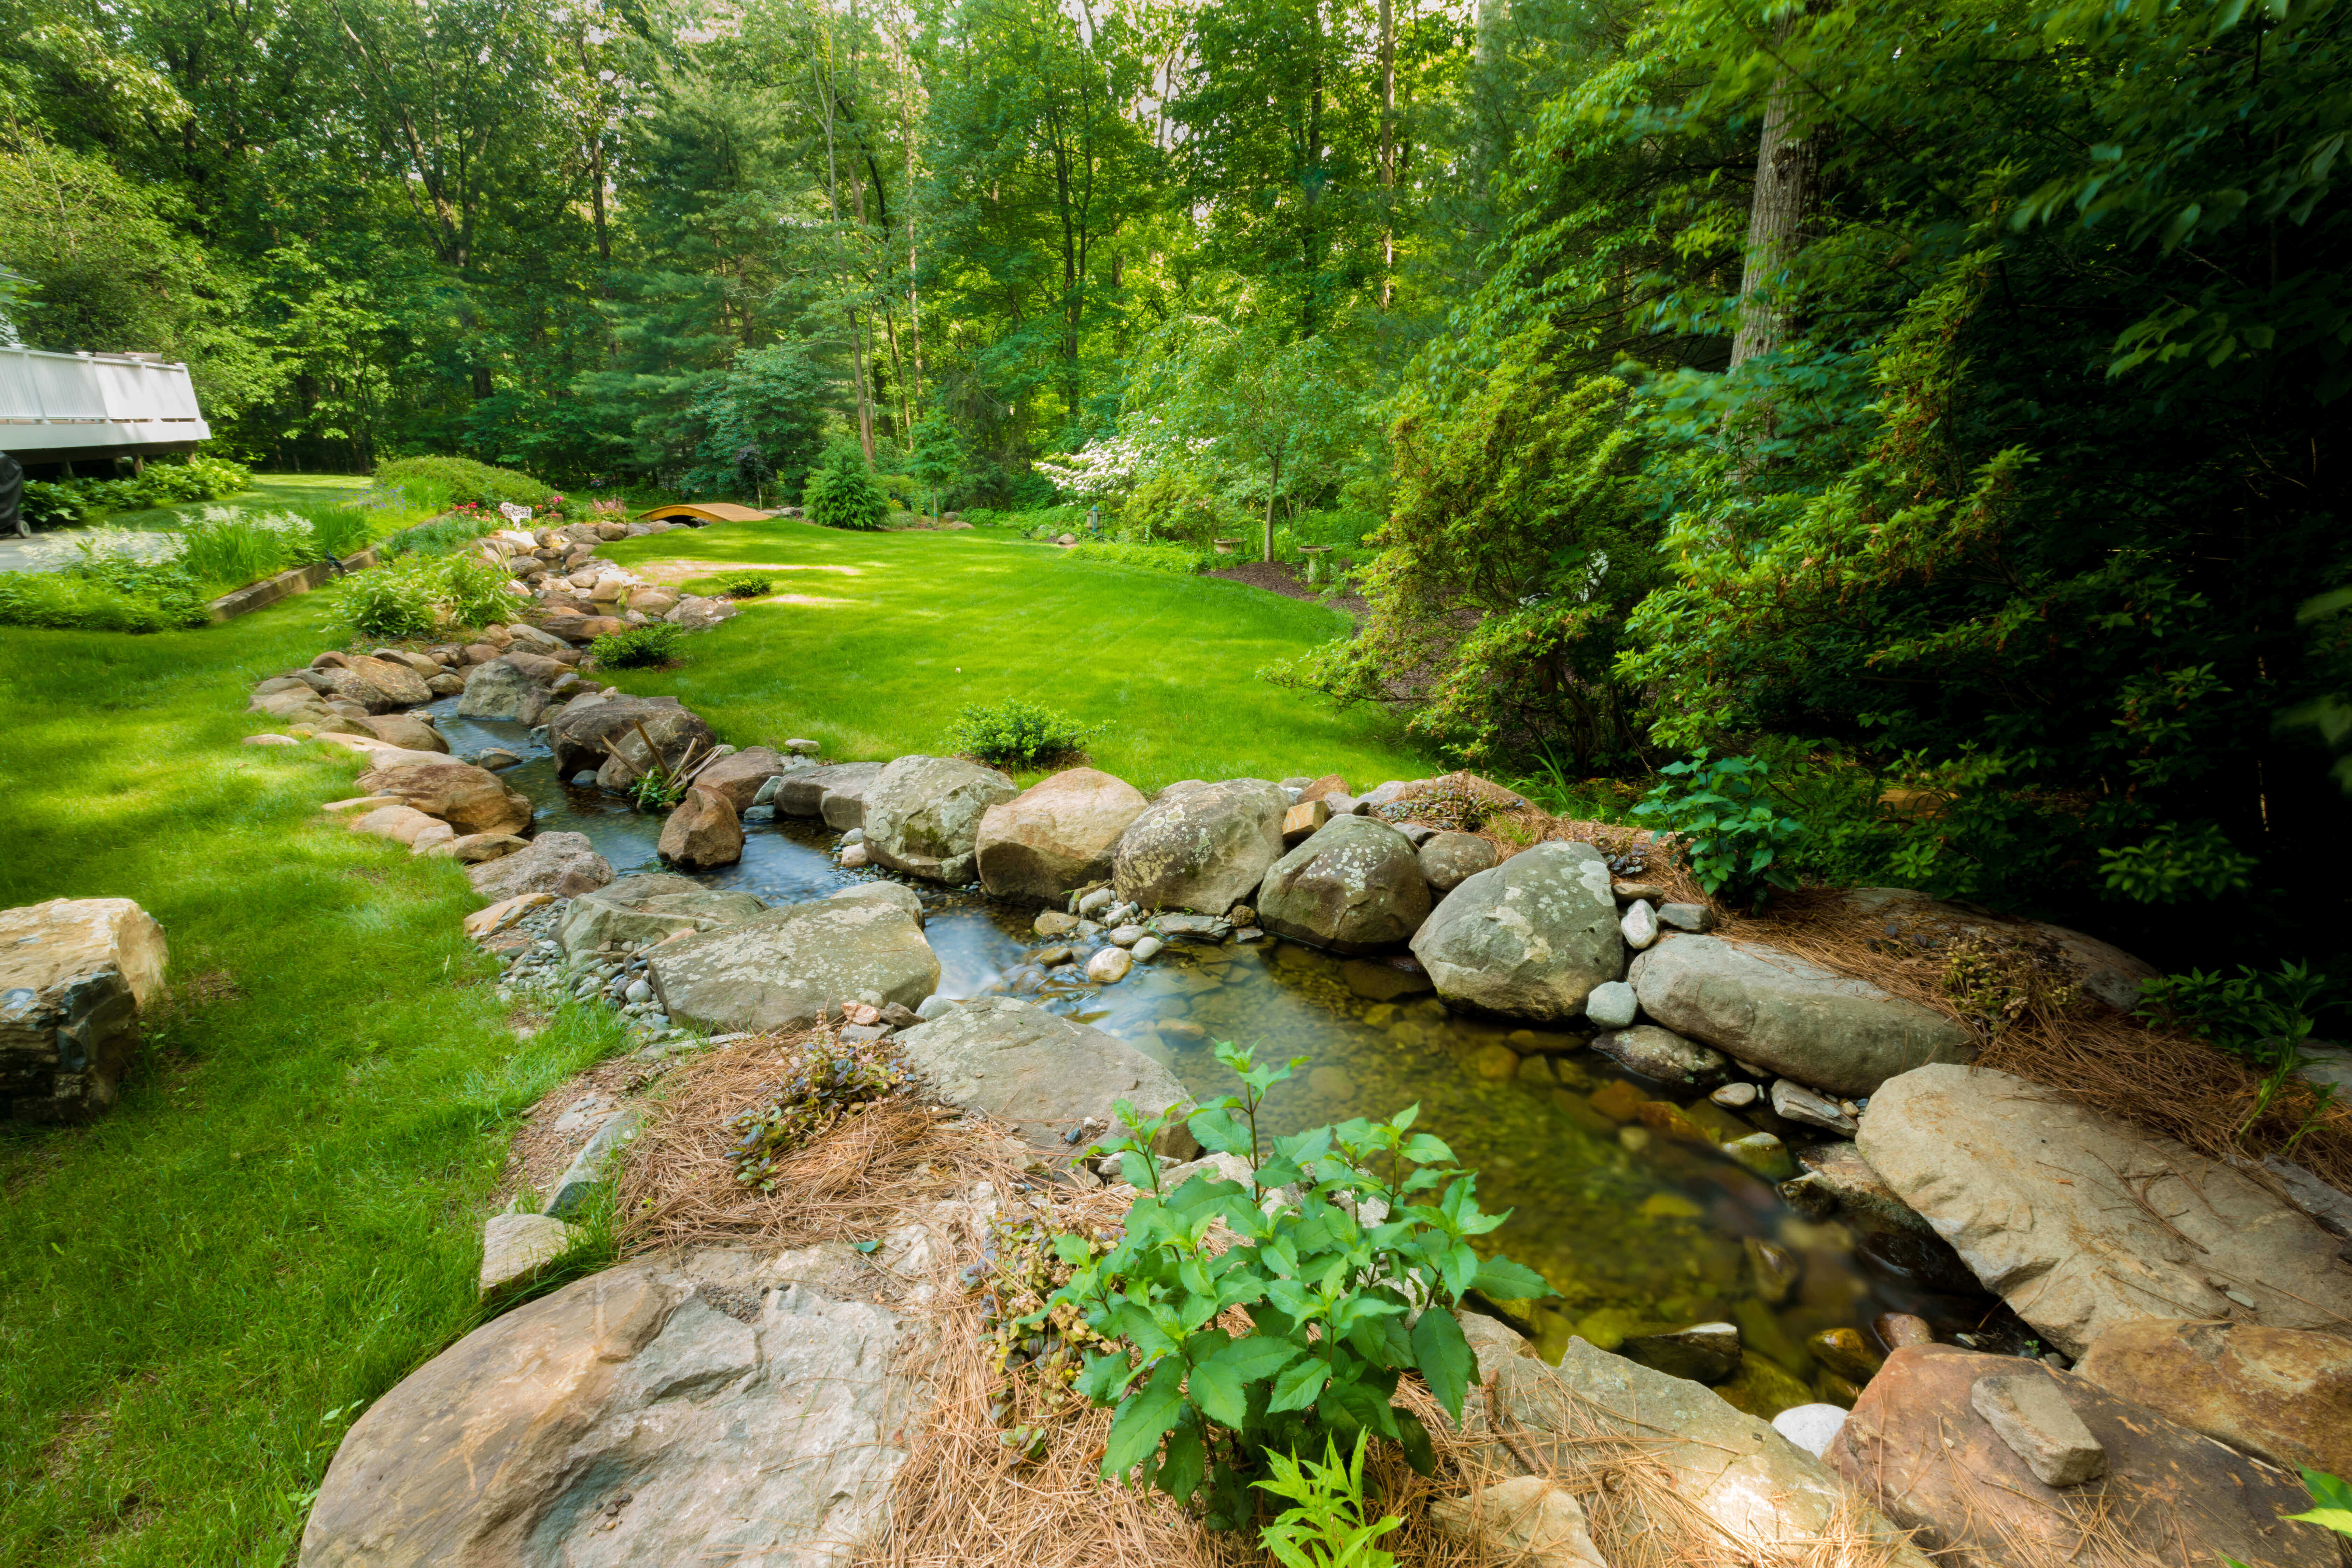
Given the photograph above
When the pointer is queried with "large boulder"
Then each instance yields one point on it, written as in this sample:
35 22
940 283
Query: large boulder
790 967
1203 849
1528 939
409 731
1040 1072
1916 1445
502 690
1775 1009
2082 1224
74 975
579 735
2281 1395
647 908
739 774
377 685
921 815
802 793
630 1418
468 798
1056 835
702 832
1354 885
564 865
842 806
1767 1496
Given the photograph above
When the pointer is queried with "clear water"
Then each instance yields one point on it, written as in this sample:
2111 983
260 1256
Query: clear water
1630 1228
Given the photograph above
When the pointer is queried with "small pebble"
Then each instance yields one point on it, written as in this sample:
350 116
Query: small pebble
1735 1096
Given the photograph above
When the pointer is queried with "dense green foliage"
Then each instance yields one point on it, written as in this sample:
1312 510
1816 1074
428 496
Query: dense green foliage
841 492
649 647
454 480
1381 1234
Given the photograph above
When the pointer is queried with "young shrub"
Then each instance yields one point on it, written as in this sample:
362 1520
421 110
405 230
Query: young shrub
1343 1294
747 585
842 493
394 600
1016 733
648 646
1723 807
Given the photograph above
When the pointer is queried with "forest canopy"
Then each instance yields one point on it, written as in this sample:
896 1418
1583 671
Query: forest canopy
1944 403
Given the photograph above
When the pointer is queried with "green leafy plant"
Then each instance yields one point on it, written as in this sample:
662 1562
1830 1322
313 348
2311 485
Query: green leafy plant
2262 1018
47 505
415 596
747 585
233 548
648 646
2175 864
1296 1334
1326 1527
828 1081
843 493
1736 834
1016 732
2331 1509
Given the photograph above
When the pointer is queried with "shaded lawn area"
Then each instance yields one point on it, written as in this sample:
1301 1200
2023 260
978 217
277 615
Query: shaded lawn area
281 1218
269 492
910 626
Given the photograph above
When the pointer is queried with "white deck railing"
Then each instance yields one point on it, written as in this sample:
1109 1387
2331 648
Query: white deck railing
50 401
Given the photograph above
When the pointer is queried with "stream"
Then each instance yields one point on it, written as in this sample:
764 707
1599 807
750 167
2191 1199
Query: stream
1632 1229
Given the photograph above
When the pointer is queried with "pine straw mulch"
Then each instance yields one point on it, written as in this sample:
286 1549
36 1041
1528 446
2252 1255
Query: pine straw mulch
872 1171
2165 1080
967 1498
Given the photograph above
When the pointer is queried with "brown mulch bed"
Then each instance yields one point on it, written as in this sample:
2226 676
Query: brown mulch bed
1281 577
537 1154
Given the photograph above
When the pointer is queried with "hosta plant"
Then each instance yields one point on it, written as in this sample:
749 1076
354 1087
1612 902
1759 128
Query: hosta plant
1241 1329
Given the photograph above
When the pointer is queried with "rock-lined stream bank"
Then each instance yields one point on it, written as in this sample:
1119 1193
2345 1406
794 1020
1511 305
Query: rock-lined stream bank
1640 1221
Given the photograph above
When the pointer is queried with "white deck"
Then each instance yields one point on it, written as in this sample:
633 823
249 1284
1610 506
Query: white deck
89 404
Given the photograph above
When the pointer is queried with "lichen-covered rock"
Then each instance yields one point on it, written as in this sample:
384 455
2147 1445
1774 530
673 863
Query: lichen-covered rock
610 1424
377 685
1528 939
648 907
1355 886
502 690
1039 1072
1203 849
1057 835
2081 1224
1763 1006
921 815
1449 859
791 966
74 975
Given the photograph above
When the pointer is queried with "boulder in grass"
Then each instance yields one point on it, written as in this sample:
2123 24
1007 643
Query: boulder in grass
1203 849
405 731
75 974
1528 939
468 798
400 823
562 864
1355 886
1057 835
702 832
921 815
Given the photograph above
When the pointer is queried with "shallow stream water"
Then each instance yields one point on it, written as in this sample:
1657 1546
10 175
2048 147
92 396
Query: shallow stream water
1632 1229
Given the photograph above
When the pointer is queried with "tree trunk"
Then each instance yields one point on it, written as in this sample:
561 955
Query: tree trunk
1388 149
1788 169
1273 487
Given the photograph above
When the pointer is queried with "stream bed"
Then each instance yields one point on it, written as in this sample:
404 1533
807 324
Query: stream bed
1632 1229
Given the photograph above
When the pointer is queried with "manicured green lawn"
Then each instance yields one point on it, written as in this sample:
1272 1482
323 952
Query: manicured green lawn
282 1217
269 492
908 627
